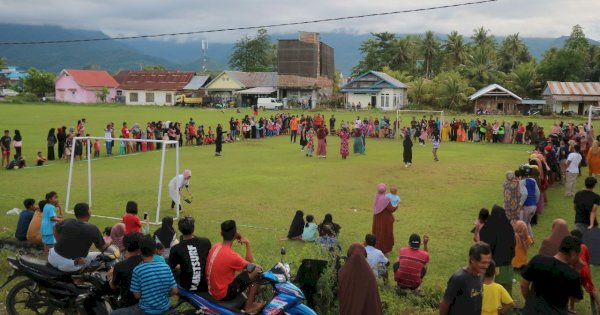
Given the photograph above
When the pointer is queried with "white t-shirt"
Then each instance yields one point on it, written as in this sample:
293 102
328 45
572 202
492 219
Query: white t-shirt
107 133
575 159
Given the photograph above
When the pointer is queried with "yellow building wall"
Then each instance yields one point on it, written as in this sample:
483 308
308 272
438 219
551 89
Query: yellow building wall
224 82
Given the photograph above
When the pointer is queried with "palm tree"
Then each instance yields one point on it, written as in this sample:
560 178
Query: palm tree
481 68
430 48
2 62
452 90
419 91
455 49
525 80
482 37
513 51
402 53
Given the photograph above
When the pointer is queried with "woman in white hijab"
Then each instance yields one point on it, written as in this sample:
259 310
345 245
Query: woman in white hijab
175 186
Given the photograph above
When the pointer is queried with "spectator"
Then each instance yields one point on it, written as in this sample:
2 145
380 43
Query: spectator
495 297
310 229
482 218
74 238
40 159
328 221
159 251
411 267
33 231
130 219
530 194
456 300
24 219
151 283
551 244
376 259
117 234
358 293
328 240
296 227
166 235
5 142
106 235
120 277
49 219
189 257
500 235
16 163
224 262
544 274
523 241
573 161
585 204
586 276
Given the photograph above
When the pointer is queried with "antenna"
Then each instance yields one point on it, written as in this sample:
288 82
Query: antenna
204 53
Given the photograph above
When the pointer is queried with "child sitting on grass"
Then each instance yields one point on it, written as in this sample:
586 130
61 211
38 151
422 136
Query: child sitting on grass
310 229
496 299
159 252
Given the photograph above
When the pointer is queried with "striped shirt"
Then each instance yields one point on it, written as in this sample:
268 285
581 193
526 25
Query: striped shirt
157 280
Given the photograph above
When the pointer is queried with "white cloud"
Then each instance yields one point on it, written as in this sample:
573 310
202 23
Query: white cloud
549 18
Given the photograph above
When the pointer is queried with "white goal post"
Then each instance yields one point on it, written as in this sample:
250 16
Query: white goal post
591 114
115 141
440 112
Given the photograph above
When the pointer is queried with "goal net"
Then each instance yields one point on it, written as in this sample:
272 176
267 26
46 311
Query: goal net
121 183
405 116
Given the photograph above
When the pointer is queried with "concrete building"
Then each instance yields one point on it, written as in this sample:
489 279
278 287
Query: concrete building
83 86
156 87
377 89
571 96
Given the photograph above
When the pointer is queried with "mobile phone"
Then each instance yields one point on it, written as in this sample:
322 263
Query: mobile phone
145 215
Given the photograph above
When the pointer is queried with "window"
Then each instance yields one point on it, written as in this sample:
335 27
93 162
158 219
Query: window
119 93
382 100
168 98
133 97
387 100
149 97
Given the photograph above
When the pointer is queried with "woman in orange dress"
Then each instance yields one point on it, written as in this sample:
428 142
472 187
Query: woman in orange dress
593 159
383 220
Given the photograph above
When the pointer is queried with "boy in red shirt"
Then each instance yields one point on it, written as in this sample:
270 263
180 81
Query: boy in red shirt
223 262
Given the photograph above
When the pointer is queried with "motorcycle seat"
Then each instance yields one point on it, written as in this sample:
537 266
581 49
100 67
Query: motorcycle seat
234 305
42 266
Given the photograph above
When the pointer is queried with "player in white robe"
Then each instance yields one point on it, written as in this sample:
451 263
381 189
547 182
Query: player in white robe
175 186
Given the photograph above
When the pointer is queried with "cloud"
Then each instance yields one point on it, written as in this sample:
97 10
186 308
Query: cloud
549 18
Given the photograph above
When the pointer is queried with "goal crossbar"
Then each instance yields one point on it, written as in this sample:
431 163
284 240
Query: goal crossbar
89 170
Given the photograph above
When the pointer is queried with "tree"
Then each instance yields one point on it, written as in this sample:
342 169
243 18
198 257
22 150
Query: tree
512 52
455 50
563 65
577 39
430 49
402 76
452 90
154 68
38 82
524 80
419 91
2 62
403 53
482 37
254 54
376 53
481 68
102 94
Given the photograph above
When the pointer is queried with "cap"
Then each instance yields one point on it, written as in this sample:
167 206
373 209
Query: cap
414 241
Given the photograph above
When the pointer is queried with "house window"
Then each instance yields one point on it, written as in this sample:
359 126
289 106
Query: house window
133 97
149 97
387 100
119 93
169 98
382 100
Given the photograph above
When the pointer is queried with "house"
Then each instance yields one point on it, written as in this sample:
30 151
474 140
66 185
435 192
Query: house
243 88
495 99
196 86
13 74
533 106
378 89
571 96
3 81
156 87
306 68
84 86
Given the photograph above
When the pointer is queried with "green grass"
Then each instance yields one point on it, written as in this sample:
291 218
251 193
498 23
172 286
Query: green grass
262 183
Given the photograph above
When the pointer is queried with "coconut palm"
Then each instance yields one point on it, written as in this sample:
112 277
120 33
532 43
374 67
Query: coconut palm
452 90
419 91
513 51
525 80
482 37
430 48
403 53
481 68
455 50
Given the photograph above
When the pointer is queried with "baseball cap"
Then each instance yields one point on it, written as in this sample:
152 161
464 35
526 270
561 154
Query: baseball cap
414 241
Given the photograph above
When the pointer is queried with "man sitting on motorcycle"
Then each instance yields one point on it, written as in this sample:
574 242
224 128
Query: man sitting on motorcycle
224 262
189 257
71 252
120 275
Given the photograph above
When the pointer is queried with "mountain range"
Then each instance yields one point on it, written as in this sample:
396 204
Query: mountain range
113 55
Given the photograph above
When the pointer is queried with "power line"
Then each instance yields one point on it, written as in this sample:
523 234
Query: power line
251 27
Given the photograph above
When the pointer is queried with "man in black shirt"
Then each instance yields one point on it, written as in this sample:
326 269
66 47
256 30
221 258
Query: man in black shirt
121 273
464 293
547 283
189 257
585 204
71 251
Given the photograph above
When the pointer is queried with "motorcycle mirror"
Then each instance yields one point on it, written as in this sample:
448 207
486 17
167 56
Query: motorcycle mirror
282 251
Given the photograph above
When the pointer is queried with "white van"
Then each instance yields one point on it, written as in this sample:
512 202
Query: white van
269 103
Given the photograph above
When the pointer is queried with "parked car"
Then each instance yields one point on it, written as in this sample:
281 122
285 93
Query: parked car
568 113
269 103
8 92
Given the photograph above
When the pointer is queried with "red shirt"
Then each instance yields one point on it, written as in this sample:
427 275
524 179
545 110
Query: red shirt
132 223
586 276
221 266
125 132
412 262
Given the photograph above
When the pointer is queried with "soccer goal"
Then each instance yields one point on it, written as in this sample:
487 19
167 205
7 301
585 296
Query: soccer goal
115 141
407 112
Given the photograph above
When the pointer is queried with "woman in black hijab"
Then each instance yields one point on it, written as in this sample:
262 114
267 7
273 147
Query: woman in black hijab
297 226
328 221
51 142
407 144
500 235
166 235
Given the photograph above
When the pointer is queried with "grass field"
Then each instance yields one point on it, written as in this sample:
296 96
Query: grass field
262 183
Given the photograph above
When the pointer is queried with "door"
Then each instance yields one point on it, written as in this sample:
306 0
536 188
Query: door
373 101
580 109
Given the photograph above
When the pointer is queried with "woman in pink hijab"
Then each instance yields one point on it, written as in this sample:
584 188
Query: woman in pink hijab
383 220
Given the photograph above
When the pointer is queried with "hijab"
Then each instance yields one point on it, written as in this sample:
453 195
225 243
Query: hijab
551 244
357 287
381 201
328 221
500 235
297 226
116 235
521 234
165 233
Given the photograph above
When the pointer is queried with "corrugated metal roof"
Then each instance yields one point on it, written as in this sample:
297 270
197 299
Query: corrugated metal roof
390 79
254 79
572 88
263 90
491 88
533 102
197 82
158 80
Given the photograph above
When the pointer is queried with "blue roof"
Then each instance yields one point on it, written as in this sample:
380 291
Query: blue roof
16 75
385 78
360 90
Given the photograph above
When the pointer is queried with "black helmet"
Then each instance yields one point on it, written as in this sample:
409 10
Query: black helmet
525 170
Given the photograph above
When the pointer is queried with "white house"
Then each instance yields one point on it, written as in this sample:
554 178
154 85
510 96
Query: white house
156 87
377 89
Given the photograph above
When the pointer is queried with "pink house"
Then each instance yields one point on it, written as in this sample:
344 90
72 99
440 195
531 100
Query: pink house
81 86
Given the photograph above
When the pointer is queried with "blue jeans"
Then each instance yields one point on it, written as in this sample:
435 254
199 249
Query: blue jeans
109 147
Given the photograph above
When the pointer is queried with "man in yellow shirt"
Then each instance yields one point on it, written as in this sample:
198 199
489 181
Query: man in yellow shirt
496 299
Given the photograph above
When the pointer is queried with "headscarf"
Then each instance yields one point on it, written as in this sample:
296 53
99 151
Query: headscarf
187 173
166 232
500 235
381 201
297 226
328 221
357 287
116 235
595 148
521 234
551 244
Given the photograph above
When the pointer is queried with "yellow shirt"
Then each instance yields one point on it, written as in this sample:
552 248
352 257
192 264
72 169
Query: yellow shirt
520 258
494 296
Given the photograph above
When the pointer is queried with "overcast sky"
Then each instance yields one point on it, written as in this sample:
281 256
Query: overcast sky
539 18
